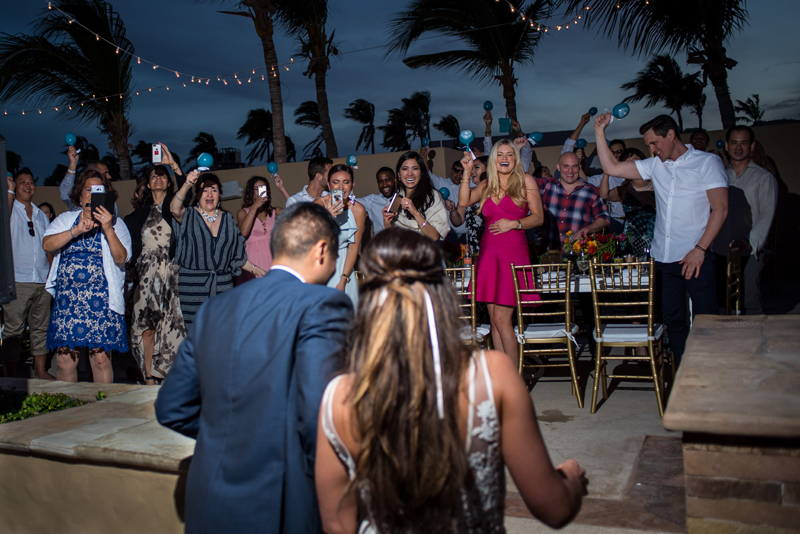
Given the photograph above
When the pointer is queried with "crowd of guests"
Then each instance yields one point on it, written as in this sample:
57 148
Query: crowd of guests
416 430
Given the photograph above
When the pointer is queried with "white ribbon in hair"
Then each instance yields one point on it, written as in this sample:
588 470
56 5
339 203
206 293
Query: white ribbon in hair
437 362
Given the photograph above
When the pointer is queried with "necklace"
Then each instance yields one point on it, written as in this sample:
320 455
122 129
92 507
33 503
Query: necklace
649 187
209 219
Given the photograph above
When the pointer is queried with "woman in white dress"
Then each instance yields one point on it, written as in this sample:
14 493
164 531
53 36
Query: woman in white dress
416 435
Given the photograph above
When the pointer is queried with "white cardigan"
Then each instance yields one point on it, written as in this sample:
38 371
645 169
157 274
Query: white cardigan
115 272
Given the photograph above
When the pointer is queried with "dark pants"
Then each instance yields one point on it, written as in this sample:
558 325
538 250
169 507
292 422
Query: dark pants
702 291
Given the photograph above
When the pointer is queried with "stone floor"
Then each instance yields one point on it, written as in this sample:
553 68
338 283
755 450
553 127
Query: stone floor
634 465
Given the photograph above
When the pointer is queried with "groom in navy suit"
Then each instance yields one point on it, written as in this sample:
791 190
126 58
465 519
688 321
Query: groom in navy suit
247 384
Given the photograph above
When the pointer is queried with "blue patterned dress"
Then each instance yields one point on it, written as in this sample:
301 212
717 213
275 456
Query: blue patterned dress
81 316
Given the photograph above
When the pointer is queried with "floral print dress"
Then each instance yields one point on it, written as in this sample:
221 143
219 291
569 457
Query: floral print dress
81 316
156 305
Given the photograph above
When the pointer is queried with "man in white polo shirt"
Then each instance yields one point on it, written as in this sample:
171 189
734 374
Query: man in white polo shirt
691 190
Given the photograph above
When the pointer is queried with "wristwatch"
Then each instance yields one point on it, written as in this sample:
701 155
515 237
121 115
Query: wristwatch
519 225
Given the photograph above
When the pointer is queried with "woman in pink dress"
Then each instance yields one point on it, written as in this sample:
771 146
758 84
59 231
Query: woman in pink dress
256 219
510 203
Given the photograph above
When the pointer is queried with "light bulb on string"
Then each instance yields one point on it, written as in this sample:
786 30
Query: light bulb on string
262 77
287 69
249 79
168 88
225 82
238 80
97 37
117 50
208 81
56 108
184 85
138 61
40 112
254 71
177 75
155 67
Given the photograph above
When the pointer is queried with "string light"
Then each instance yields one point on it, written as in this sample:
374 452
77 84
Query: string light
272 68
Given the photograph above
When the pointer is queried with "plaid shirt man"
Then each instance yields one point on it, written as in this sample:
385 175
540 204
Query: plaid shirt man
568 211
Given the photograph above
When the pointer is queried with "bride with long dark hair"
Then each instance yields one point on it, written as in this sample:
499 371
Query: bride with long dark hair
416 433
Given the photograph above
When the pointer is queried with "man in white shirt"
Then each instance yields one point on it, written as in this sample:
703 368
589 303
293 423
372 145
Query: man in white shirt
761 191
691 204
317 181
31 266
376 203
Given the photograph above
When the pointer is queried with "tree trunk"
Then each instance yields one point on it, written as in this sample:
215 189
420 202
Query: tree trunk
331 150
680 120
719 79
510 96
273 76
118 130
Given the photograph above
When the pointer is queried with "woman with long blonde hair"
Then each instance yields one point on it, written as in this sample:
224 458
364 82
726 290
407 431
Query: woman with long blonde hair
416 435
510 203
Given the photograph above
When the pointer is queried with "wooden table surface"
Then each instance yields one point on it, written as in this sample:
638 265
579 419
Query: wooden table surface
740 375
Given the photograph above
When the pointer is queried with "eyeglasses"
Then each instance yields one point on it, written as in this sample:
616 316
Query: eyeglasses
458 170
617 152
30 229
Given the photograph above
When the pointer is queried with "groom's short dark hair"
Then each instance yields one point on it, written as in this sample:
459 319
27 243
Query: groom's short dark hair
299 227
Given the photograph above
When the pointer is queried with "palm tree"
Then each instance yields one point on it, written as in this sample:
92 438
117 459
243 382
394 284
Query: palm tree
307 114
262 12
395 131
144 151
204 142
700 28
449 126
257 129
363 112
13 162
306 21
751 109
417 114
694 96
662 81
495 40
62 65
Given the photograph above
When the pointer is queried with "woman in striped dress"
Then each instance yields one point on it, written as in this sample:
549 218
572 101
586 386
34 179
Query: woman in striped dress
210 248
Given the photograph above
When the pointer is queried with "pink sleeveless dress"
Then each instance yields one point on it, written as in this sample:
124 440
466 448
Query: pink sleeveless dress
257 246
498 252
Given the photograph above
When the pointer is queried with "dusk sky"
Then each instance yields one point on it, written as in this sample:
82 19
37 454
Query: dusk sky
574 70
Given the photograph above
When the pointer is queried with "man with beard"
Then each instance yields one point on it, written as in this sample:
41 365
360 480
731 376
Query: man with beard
375 203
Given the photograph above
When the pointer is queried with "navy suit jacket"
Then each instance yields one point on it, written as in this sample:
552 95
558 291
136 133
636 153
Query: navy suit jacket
247 384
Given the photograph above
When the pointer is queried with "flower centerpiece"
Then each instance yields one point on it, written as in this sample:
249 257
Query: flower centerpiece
602 247
456 255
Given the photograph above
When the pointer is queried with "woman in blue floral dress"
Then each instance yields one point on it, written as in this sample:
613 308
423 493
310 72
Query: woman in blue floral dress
86 280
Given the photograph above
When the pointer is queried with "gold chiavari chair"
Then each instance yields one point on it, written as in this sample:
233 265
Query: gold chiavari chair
550 324
733 284
463 281
631 287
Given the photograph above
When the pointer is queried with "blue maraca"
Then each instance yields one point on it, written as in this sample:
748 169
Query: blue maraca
535 137
488 106
70 140
720 144
621 110
466 137
426 141
592 111
204 161
580 143
352 161
445 193
272 167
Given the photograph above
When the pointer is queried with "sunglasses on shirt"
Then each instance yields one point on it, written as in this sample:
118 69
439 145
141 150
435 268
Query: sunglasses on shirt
30 229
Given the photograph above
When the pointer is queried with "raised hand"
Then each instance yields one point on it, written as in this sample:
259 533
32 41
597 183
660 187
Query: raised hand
12 185
601 122
191 178
72 154
466 162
